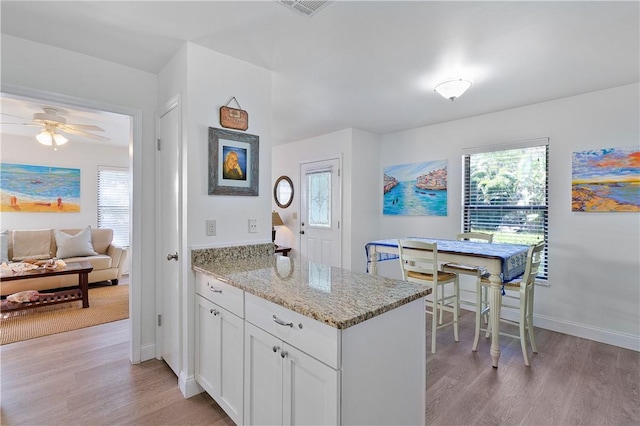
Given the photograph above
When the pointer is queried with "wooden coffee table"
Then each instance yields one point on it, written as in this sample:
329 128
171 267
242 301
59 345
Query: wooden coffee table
82 269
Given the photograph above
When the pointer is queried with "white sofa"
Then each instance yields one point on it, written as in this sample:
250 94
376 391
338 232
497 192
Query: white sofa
107 261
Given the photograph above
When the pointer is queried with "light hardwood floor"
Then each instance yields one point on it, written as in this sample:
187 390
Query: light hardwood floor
84 377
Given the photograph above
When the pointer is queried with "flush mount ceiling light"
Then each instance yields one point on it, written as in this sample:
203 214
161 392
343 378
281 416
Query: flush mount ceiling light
452 89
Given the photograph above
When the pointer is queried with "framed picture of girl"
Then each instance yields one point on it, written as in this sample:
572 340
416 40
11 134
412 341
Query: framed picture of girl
233 163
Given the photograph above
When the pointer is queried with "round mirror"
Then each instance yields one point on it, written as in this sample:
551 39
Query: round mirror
283 192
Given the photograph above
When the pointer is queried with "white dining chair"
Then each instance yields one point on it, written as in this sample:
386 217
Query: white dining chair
480 303
518 294
419 263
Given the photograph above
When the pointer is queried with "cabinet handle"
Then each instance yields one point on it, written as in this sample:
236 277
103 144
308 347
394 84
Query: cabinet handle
284 354
276 348
280 322
215 290
214 312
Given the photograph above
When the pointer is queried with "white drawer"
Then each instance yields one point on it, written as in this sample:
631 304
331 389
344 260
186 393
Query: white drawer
222 294
319 340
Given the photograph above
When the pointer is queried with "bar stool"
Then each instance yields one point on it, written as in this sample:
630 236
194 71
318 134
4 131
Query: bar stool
419 263
481 303
521 291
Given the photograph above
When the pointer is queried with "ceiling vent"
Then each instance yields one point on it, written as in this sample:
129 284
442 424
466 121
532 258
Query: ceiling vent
305 7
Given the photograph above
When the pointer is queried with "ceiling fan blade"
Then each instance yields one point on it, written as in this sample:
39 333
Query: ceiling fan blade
15 116
22 124
78 132
89 127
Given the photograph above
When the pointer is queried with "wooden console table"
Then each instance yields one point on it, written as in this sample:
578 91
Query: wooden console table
284 251
82 269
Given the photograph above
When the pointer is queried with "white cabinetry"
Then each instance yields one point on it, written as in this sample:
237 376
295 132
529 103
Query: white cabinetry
284 385
266 364
219 345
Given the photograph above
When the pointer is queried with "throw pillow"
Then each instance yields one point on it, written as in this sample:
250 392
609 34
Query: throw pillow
31 244
4 246
74 245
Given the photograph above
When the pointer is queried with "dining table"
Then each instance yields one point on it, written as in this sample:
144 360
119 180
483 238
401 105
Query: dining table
502 262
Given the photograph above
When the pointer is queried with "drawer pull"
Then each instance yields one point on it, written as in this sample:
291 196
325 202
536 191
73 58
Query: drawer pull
215 312
280 322
215 290
284 354
276 348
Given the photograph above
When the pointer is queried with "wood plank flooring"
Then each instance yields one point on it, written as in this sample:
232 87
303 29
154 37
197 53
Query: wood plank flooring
84 377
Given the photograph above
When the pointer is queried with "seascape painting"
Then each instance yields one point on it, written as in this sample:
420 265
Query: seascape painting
606 180
416 189
25 188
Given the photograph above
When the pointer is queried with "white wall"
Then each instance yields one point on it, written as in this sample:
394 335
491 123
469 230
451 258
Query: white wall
83 156
29 66
205 81
594 261
286 160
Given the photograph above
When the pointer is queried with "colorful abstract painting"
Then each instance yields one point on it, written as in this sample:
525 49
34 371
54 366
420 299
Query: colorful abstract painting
417 189
25 188
606 180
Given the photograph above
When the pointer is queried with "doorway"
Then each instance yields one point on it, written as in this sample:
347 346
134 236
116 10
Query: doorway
129 133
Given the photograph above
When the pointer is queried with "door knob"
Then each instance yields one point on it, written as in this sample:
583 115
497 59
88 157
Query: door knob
173 256
302 232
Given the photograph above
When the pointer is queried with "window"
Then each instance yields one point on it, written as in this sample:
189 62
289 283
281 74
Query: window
506 193
113 202
319 183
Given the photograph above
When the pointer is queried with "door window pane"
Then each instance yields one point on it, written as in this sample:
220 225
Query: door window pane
319 185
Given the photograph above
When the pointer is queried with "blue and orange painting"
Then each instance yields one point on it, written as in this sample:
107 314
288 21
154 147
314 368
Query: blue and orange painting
416 189
26 188
606 180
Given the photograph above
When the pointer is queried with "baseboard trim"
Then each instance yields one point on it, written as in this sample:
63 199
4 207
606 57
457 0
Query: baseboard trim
147 352
610 337
188 386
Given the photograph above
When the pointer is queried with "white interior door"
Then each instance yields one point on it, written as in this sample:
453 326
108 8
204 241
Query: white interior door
168 179
321 212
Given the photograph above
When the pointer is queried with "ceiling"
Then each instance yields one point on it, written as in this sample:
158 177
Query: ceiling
367 65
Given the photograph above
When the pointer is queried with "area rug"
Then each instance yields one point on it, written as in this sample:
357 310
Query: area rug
106 304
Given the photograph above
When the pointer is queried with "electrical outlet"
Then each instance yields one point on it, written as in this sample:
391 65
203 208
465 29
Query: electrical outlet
253 226
211 228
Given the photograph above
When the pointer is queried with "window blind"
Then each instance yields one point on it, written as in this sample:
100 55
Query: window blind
113 202
506 193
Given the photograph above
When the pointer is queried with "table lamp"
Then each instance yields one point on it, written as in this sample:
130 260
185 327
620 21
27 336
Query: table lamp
276 220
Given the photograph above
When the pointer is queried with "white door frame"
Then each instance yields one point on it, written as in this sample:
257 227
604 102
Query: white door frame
135 166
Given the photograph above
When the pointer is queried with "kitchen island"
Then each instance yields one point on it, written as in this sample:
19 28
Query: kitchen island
285 343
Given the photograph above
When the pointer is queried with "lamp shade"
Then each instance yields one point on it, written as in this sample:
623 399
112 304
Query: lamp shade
452 89
45 138
59 139
50 137
276 220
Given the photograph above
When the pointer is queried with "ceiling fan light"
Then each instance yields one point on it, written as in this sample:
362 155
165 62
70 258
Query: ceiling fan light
45 138
452 89
60 140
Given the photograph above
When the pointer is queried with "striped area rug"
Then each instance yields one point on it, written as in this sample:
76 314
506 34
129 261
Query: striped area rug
106 304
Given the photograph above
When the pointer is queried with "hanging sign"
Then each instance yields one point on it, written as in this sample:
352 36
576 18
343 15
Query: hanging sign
234 118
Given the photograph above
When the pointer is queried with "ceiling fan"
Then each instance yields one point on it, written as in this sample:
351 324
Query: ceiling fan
53 124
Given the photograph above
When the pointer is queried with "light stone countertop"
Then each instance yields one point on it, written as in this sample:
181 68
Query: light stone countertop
338 297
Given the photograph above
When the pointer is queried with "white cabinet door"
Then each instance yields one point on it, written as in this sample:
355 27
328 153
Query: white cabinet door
263 377
207 346
311 393
219 363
